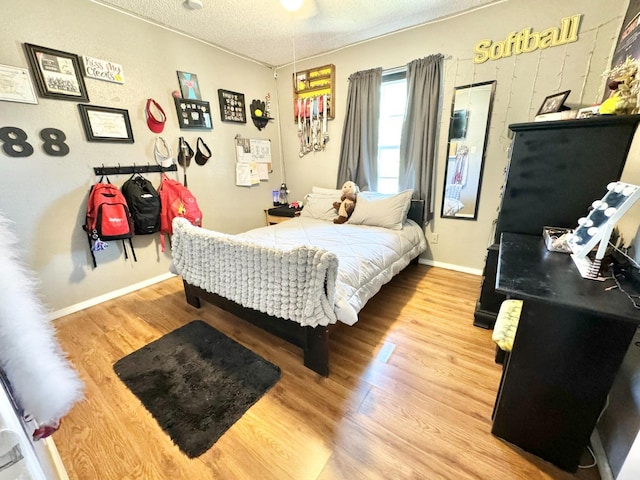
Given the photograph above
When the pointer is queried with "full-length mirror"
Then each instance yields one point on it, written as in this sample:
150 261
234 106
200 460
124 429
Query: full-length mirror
468 131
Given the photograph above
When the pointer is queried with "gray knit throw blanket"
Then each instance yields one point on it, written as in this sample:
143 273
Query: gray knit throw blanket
298 284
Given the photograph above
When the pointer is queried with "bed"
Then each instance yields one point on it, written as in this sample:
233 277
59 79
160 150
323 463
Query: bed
298 278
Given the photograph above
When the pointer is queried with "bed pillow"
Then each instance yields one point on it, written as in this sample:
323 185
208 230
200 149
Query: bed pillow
381 210
328 191
320 206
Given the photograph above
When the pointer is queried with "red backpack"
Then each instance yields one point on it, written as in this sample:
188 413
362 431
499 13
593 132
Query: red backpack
176 201
108 218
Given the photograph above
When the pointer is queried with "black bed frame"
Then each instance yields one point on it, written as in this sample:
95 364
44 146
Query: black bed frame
314 341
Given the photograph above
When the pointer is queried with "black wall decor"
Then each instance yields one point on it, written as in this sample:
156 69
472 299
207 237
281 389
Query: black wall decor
193 113
106 124
232 107
57 74
15 142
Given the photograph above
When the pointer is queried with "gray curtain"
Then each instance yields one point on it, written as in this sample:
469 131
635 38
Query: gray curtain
359 149
418 140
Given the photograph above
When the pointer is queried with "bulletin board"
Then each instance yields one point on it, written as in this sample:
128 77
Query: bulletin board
253 160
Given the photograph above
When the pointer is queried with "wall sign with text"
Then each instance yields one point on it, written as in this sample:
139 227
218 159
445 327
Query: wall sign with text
103 70
526 40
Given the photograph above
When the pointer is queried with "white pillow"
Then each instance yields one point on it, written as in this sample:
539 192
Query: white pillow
381 210
320 206
330 191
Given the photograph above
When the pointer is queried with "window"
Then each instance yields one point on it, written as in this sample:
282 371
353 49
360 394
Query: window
393 101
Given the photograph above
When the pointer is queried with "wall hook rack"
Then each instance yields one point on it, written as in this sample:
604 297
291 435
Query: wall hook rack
130 169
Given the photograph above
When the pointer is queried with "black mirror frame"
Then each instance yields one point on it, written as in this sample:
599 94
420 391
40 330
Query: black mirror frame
465 119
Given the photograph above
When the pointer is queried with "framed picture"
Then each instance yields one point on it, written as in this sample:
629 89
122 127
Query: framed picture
57 74
16 86
193 113
104 124
553 103
189 86
232 106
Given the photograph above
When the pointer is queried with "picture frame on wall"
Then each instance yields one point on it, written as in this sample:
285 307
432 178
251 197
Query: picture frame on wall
232 108
193 113
553 103
57 74
105 124
189 86
16 85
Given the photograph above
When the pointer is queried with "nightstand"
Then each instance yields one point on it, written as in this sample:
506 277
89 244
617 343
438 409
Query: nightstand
280 214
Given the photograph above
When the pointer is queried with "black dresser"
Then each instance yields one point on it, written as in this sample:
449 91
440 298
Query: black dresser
556 170
571 339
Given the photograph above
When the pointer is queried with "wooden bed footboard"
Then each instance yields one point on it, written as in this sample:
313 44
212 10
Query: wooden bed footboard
314 341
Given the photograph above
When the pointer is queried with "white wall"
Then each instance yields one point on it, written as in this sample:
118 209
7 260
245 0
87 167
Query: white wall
523 82
45 196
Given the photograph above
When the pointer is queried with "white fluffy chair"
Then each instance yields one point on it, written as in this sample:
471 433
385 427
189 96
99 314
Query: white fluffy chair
42 380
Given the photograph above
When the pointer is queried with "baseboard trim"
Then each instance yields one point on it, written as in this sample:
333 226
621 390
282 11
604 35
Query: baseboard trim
601 456
450 266
108 296
137 286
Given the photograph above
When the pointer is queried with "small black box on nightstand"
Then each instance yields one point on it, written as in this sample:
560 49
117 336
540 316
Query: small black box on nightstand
283 211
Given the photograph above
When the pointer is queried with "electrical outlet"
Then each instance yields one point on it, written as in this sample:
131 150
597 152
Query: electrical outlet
434 237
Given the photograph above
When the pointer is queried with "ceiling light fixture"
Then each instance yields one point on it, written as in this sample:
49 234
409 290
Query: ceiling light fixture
292 5
193 4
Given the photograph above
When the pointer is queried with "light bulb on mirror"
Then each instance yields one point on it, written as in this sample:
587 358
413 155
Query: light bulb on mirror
292 5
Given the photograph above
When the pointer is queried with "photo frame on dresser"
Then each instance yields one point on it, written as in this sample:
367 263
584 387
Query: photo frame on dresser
553 103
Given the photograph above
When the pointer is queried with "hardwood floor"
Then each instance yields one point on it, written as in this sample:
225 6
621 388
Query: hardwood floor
409 395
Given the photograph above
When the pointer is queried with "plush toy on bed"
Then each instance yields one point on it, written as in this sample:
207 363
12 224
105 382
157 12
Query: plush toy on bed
347 202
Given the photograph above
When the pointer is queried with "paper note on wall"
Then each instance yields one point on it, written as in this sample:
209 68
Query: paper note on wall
247 174
260 150
263 170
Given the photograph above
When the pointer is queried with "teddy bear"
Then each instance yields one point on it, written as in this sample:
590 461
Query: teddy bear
347 202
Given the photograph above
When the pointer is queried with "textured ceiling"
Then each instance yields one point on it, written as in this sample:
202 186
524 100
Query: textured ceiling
264 31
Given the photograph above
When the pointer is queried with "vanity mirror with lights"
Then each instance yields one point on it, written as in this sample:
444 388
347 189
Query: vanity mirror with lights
467 143
597 226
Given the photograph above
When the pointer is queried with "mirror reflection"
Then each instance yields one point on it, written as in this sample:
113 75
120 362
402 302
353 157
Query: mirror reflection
468 131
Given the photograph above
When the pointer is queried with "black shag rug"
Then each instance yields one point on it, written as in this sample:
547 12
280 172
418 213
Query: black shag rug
196 382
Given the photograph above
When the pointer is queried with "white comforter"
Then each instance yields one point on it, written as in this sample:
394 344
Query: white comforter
368 257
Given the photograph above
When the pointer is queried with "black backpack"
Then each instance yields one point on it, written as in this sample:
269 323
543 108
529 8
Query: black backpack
144 204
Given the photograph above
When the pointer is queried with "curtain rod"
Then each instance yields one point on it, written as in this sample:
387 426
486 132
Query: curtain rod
401 68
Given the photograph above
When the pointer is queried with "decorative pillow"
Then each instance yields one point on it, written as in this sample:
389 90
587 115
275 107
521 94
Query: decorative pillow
329 191
320 206
381 210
